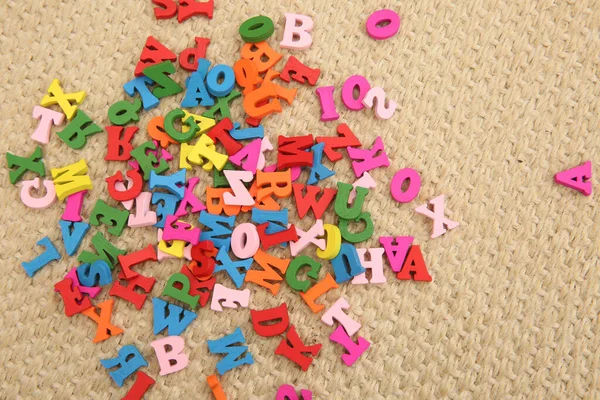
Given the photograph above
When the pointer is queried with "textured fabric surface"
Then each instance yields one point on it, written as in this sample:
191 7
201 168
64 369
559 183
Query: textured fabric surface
494 97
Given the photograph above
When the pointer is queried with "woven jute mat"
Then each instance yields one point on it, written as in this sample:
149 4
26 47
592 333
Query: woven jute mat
494 97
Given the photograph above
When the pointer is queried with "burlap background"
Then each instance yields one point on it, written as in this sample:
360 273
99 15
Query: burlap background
494 98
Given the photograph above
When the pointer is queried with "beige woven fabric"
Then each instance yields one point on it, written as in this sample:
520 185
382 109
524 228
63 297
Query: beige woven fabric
494 97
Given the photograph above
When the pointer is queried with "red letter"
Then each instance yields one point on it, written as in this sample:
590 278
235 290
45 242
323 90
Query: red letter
304 204
189 8
168 10
414 267
72 297
154 52
271 315
135 258
292 152
128 292
293 348
347 139
119 149
140 387
188 59
299 72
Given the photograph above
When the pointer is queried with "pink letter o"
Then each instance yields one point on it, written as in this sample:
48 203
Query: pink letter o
414 185
363 85
245 240
383 32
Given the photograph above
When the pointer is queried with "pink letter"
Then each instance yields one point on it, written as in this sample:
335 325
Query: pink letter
325 95
414 185
250 152
396 253
73 208
190 199
354 350
166 358
232 298
47 117
241 196
245 240
143 216
369 159
180 230
440 222
265 145
383 32
381 111
366 181
336 311
38 202
363 86
308 237
293 30
375 265
287 392
578 178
